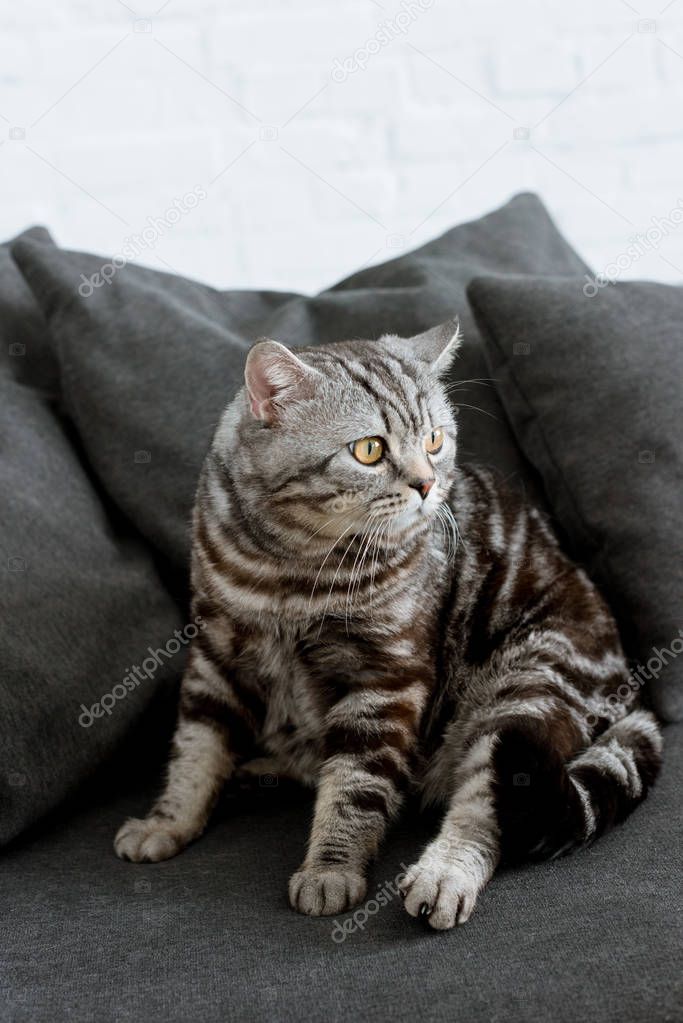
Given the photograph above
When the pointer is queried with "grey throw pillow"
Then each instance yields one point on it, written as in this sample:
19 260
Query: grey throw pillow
148 360
81 601
593 389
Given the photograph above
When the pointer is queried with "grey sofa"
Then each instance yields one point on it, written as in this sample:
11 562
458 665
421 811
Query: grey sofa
209 936
108 397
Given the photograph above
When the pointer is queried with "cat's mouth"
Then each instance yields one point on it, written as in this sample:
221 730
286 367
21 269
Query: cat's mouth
406 511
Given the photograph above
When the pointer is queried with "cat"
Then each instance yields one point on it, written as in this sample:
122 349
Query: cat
381 621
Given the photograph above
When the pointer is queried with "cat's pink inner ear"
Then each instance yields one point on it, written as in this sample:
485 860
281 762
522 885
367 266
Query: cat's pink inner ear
273 375
259 386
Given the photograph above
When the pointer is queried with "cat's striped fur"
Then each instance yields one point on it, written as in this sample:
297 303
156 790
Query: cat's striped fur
364 644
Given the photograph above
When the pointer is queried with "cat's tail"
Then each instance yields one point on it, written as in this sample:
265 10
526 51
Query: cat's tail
546 806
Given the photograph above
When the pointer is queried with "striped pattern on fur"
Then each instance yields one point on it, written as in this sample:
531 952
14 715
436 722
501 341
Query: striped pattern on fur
371 639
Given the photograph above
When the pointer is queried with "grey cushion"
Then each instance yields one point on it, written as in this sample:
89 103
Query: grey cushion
593 388
80 597
25 351
209 935
149 361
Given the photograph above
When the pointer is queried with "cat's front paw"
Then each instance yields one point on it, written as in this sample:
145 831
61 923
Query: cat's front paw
323 891
148 841
443 893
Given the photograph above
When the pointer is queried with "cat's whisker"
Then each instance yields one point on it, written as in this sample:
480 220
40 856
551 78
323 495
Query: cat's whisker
480 381
353 568
378 539
456 528
334 579
340 515
324 561
439 517
379 532
475 408
386 548
359 532
355 588
358 566
381 539
453 525
372 552
450 534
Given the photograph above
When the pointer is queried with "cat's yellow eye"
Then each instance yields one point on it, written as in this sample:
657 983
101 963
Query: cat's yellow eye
367 450
434 442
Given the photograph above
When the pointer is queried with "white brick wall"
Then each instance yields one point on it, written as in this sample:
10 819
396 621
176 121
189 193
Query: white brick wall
118 110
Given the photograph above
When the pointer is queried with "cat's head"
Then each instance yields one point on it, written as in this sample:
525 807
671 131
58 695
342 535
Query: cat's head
330 440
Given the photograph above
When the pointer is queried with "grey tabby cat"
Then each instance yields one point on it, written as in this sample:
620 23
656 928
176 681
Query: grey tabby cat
369 647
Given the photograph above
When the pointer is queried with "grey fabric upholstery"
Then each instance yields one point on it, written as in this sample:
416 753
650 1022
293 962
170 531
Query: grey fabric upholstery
209 936
593 389
80 597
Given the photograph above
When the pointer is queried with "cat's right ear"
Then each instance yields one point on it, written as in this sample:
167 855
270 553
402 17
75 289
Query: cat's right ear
275 376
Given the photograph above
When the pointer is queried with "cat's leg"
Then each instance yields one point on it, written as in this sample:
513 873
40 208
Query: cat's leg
454 868
215 728
529 723
370 740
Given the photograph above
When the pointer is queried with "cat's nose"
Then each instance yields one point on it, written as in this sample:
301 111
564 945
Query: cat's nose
422 486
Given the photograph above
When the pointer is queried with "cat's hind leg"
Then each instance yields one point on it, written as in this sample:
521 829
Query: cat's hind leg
456 866
518 738
531 780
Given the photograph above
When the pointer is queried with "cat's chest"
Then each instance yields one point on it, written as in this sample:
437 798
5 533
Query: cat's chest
293 696
300 673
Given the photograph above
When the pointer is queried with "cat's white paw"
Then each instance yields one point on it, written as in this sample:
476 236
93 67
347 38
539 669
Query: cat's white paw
440 891
148 841
323 891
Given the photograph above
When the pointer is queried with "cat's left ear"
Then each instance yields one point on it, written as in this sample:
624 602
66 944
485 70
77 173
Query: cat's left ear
437 346
274 376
